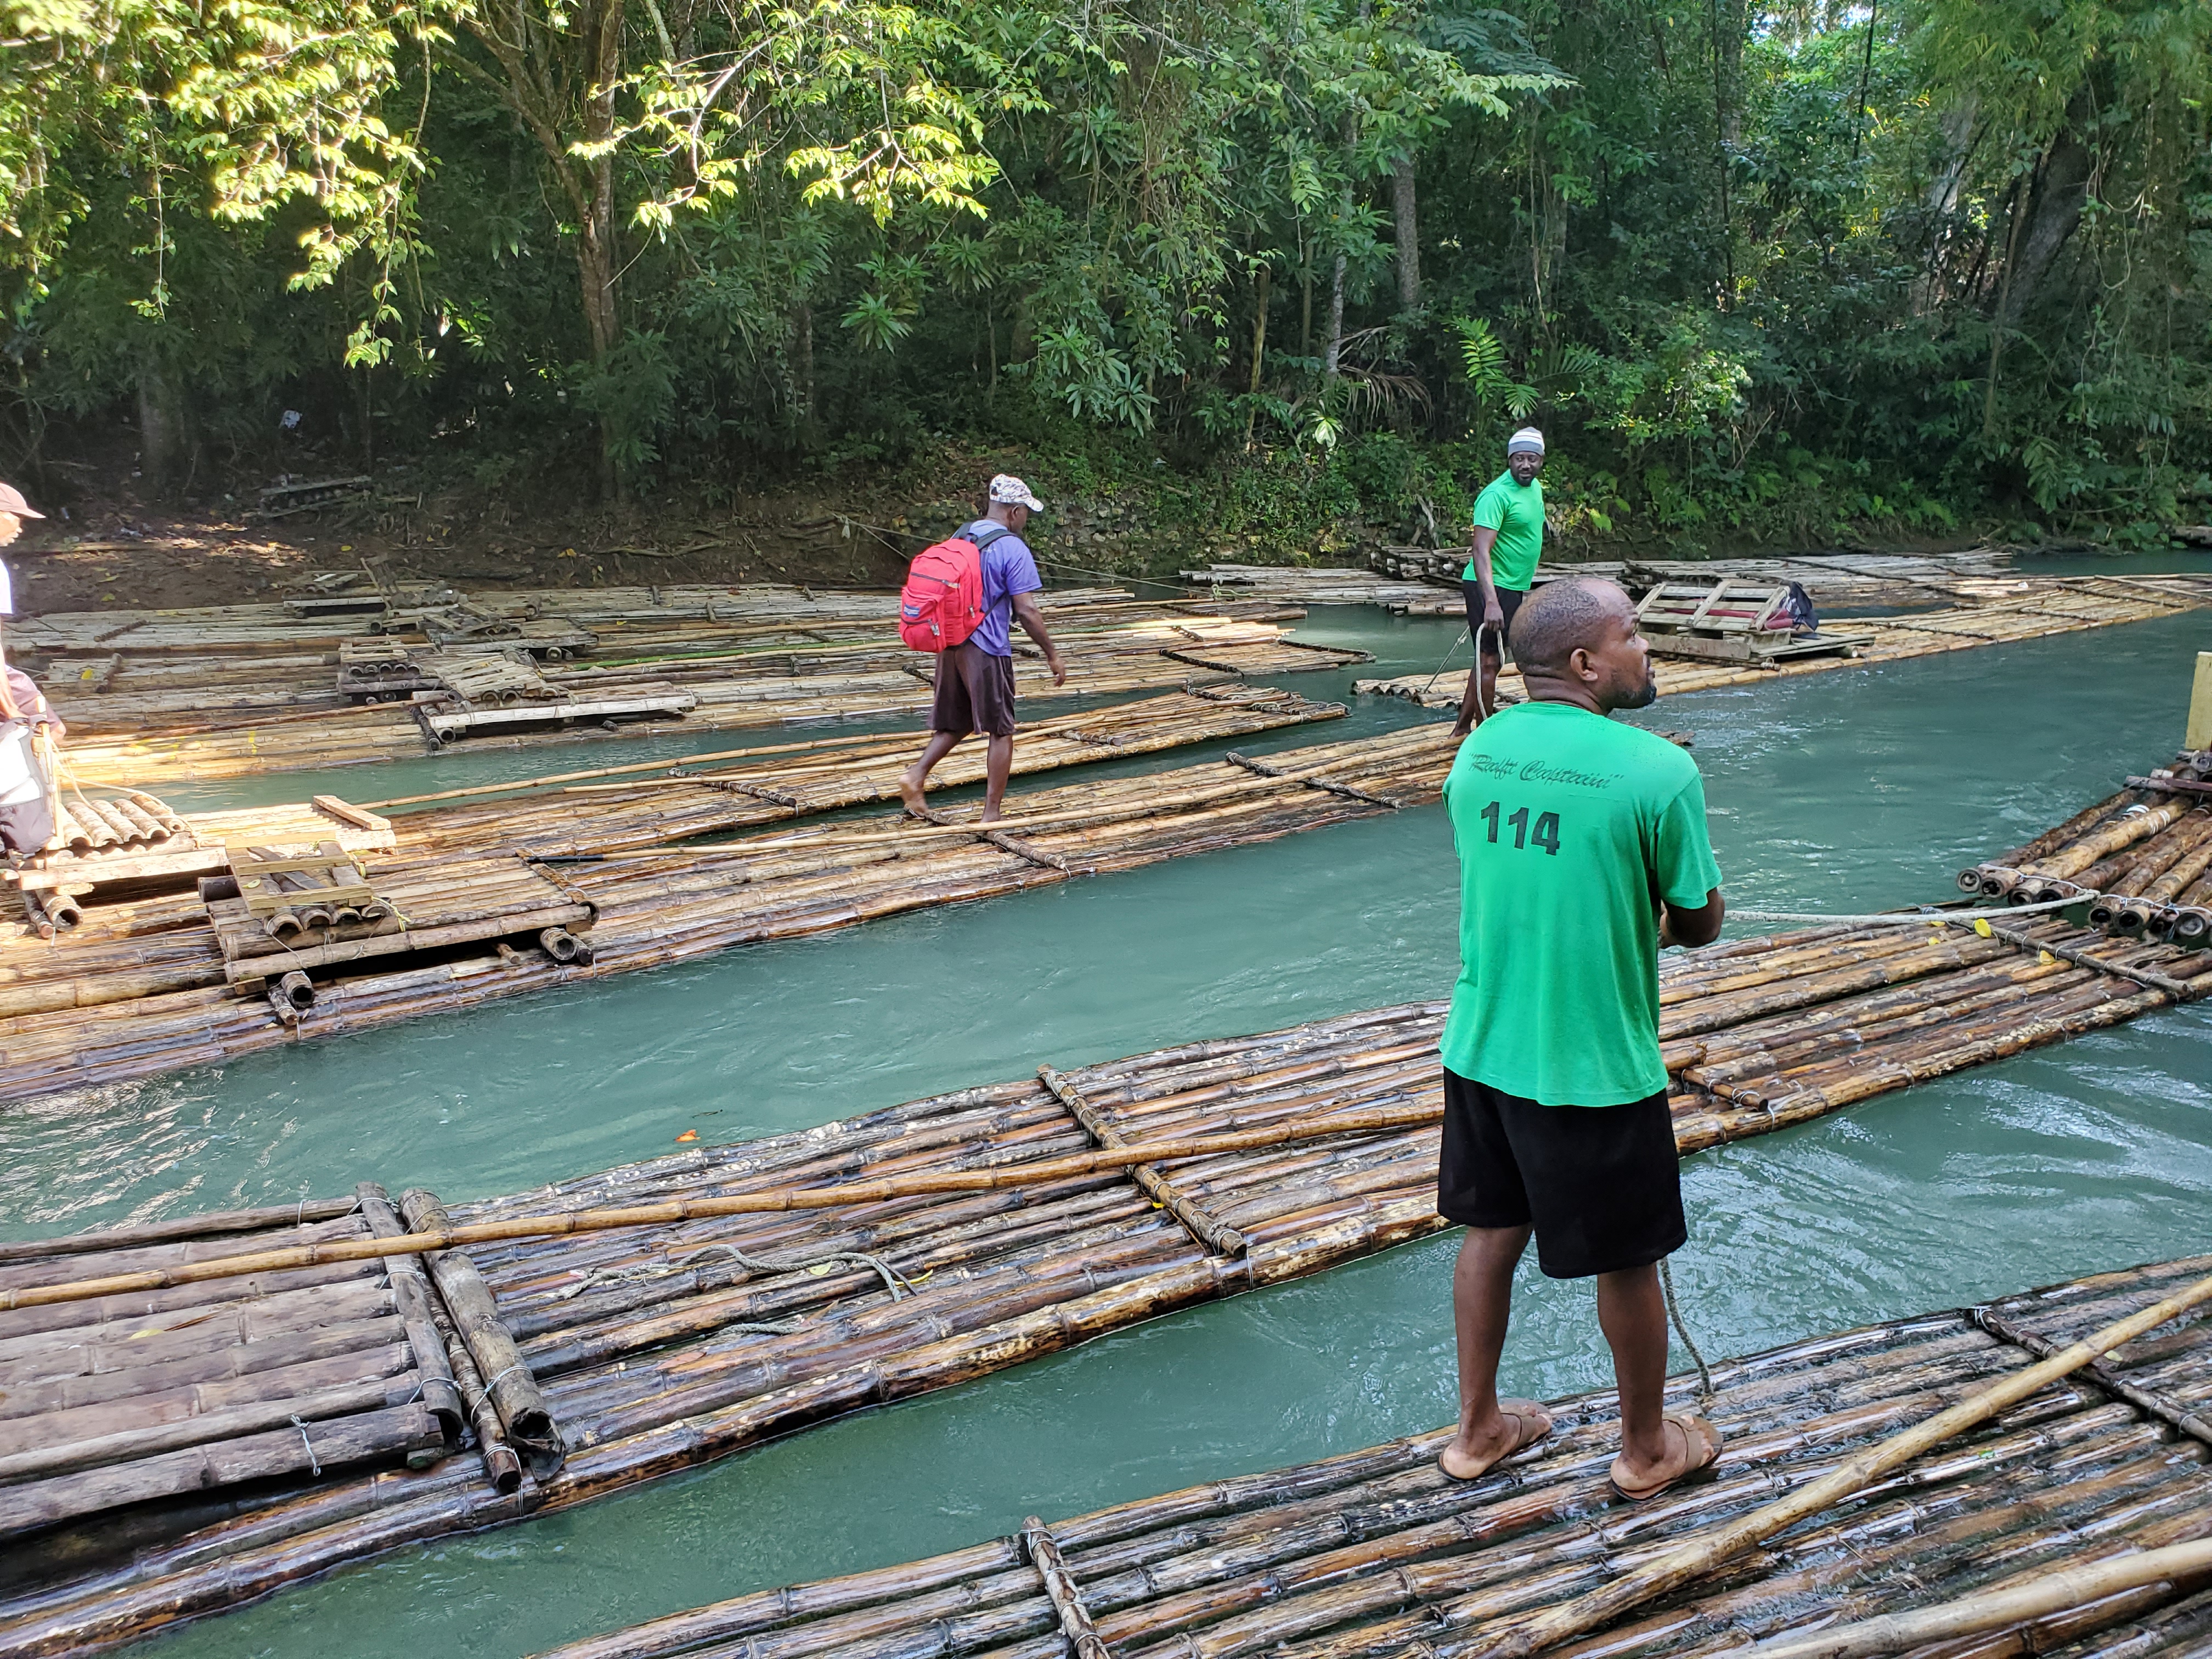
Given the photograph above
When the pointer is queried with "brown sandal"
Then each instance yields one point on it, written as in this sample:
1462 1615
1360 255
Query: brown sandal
1531 1423
1701 1450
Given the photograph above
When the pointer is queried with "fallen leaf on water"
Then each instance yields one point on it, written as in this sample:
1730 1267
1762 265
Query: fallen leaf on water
689 1134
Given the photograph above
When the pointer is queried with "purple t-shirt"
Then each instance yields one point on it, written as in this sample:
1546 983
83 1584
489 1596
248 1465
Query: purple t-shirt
1009 568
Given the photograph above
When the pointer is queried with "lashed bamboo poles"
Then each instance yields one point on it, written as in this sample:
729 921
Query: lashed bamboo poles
631 1337
2060 1591
1369 1552
2048 606
1601 1607
2139 860
1108 649
435 1236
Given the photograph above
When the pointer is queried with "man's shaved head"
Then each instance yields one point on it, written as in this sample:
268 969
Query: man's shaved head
1560 616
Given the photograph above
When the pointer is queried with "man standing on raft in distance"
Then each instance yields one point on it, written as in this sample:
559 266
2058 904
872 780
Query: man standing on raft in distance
1508 538
975 678
1582 850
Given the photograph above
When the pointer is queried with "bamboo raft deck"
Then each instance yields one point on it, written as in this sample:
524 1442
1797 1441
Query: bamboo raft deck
657 905
1375 1552
2004 611
1833 581
204 694
615 1357
2139 860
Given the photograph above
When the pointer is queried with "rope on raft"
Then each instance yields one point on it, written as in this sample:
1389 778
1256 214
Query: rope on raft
1919 918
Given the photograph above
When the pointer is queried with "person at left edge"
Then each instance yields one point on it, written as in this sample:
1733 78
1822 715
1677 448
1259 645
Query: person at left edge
975 678
26 794
14 509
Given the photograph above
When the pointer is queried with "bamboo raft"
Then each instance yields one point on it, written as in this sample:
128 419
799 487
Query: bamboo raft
2004 612
654 905
1375 1552
210 695
2139 860
777 1282
1833 580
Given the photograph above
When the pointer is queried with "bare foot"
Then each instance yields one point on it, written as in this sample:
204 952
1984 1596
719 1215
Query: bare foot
910 792
990 814
1480 1447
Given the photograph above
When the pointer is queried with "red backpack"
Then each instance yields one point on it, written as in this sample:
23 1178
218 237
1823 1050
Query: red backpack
942 603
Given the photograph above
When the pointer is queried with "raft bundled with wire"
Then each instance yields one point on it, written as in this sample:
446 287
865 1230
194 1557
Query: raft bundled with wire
2065 1514
2141 859
643 1320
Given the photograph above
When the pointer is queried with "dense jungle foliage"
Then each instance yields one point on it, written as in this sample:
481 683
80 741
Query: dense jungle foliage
1762 271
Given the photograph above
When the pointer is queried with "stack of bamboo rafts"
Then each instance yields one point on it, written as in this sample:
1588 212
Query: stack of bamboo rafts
204 700
57 884
2004 612
1376 1553
670 1313
2141 859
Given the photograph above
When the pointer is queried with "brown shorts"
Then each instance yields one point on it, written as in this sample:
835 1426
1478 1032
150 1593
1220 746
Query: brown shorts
974 692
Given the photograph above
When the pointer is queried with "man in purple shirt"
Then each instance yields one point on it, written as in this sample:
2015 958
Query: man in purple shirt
975 678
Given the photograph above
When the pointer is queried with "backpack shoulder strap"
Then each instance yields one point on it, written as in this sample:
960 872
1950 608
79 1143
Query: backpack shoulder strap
991 533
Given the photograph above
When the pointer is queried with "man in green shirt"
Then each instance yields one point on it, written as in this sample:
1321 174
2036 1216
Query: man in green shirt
1508 540
1582 850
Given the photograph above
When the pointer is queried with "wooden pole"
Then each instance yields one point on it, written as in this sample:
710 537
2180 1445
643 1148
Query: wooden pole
2049 1592
1633 1589
2200 705
773 1201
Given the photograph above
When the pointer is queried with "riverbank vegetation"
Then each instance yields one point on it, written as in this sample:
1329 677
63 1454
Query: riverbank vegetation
1765 273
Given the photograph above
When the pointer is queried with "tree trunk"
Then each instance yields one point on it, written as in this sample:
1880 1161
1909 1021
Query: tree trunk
597 252
2054 211
1336 322
1259 347
1405 209
803 415
163 435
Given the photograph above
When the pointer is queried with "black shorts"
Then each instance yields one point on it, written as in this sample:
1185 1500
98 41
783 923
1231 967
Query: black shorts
1603 1185
1509 601
974 693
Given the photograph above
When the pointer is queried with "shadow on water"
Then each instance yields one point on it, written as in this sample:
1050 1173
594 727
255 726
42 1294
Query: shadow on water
1860 788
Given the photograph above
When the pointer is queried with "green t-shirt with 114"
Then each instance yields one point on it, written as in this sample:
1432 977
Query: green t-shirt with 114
1515 512
1568 825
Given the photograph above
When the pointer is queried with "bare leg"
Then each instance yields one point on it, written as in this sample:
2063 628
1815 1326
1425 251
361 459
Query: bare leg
1482 1300
1481 682
1633 1316
998 767
940 745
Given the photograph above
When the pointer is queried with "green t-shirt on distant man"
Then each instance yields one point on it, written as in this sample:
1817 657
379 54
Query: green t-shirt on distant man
1568 826
1515 512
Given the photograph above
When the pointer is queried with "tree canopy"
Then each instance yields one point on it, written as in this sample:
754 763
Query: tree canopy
1761 270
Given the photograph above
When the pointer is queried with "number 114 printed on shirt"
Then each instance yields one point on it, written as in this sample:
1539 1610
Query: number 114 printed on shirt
1546 834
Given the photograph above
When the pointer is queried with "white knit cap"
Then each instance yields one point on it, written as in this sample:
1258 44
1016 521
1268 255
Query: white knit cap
1527 442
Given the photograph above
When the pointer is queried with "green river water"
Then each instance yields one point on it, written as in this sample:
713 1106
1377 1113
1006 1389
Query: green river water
1859 789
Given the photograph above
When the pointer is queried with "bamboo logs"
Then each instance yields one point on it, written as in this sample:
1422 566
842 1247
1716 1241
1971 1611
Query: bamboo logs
983 1228
2139 860
1375 1552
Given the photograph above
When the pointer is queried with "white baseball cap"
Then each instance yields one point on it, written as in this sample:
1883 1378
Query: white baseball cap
1007 490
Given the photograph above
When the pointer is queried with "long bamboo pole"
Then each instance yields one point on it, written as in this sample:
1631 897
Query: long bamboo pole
2059 1591
1633 1589
773 1200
